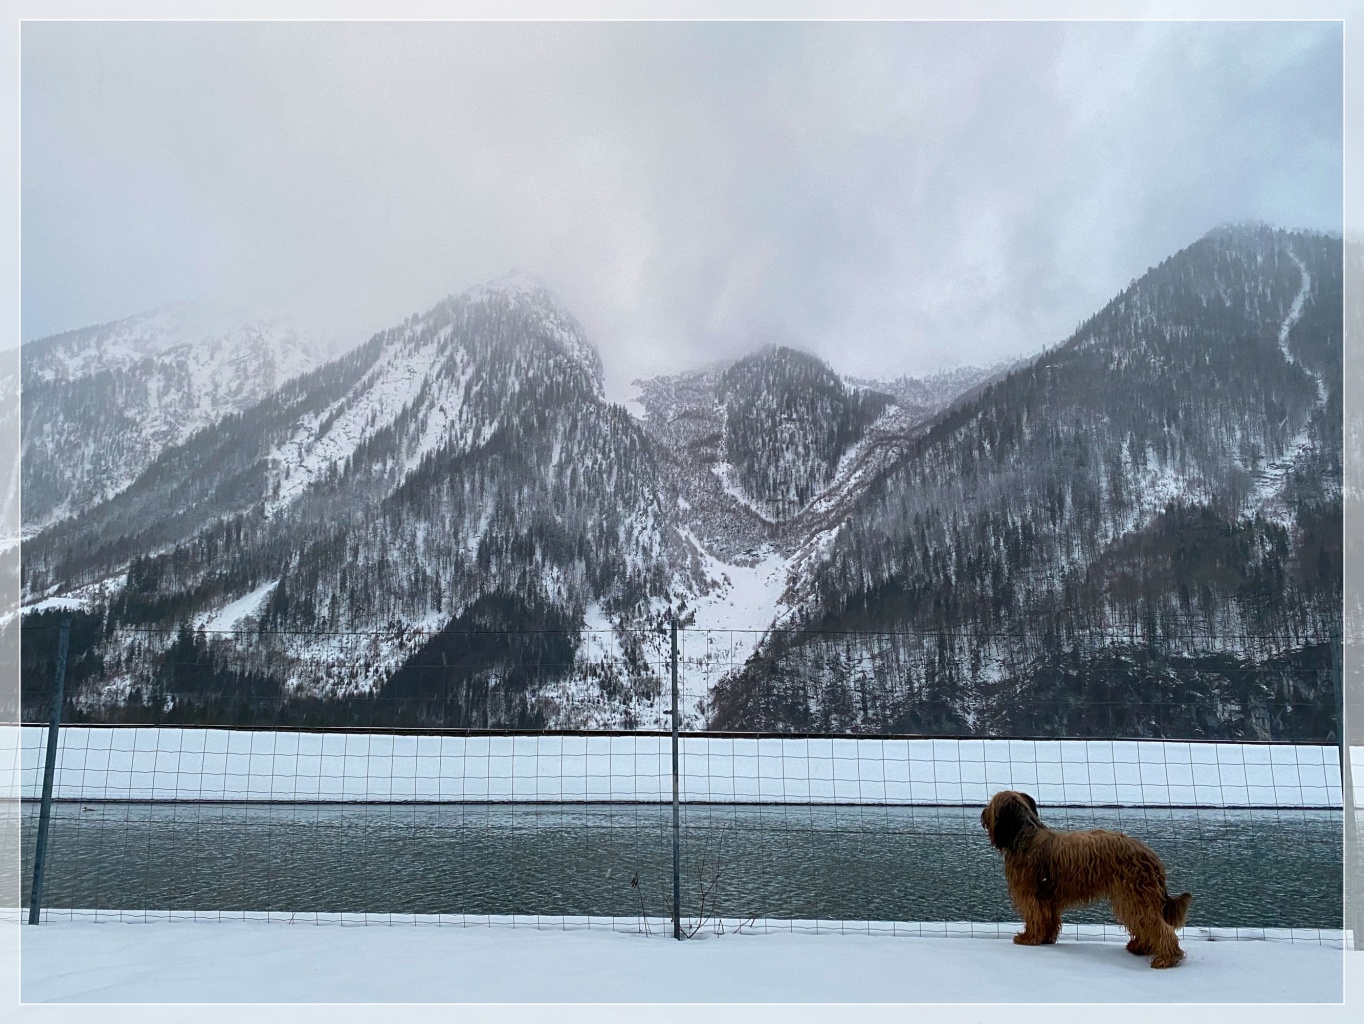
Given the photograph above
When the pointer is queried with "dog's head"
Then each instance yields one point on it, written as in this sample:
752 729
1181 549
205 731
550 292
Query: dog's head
1007 816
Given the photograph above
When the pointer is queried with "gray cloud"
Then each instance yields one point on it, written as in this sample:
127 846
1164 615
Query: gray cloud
893 197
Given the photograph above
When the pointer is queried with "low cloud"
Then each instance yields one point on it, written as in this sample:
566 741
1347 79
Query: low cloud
893 197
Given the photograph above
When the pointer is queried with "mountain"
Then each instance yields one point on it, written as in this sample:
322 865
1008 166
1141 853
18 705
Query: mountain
10 475
764 452
1138 533
788 421
101 403
461 467
1134 533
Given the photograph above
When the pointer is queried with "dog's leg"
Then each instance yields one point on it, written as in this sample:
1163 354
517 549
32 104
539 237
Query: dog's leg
1128 909
1168 953
1141 910
1151 936
1041 923
1051 923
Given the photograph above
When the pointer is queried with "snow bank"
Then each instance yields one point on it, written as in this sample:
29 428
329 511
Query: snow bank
564 960
218 764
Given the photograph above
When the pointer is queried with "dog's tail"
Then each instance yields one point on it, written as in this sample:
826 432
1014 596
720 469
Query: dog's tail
1176 909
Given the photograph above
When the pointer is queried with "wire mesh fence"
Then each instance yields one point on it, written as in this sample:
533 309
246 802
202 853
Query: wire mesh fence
224 789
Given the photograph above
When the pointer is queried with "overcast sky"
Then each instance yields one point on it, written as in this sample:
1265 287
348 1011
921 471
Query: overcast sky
892 197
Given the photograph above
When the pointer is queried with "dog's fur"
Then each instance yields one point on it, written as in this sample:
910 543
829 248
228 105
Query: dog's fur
1050 871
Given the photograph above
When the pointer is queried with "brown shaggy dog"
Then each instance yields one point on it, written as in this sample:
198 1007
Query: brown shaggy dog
1049 872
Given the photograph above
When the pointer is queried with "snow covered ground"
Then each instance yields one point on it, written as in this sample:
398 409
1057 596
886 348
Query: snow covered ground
254 960
218 764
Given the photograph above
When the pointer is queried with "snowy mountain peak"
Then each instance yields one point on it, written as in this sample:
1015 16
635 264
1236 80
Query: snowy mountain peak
121 393
120 342
518 280
549 319
1244 229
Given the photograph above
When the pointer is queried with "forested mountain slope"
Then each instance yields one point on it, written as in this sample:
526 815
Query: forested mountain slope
1145 520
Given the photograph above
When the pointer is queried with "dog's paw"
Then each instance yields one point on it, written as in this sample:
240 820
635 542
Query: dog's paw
1024 939
1136 948
1167 960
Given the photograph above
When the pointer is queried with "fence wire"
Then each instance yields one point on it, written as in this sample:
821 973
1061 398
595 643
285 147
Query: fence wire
217 796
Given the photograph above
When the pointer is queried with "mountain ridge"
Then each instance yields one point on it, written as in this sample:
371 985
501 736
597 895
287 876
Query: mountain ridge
463 470
101 403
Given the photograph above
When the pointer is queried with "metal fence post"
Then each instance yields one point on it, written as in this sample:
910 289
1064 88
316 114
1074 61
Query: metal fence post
1354 900
677 818
49 769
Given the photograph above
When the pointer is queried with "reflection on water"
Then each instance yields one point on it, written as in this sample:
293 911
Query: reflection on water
1246 868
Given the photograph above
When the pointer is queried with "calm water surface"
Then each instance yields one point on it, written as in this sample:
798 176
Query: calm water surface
1246 868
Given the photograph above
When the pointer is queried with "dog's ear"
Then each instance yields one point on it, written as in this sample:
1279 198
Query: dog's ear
1012 818
1031 802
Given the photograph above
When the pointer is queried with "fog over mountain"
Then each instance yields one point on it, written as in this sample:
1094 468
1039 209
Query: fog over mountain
893 198
935 377
1144 516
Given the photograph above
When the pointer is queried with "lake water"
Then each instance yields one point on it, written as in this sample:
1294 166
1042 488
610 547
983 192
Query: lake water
1251 868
